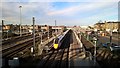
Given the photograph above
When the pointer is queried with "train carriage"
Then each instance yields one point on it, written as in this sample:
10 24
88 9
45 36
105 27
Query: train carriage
58 41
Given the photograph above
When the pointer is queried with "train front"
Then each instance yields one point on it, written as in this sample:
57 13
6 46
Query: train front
56 43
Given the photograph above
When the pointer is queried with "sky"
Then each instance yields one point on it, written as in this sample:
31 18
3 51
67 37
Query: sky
65 12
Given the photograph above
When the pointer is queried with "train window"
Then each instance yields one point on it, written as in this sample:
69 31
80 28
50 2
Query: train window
56 40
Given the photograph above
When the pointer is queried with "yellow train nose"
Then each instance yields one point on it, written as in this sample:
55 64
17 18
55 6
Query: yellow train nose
55 46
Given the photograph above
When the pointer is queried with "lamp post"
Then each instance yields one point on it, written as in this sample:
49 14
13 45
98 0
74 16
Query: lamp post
20 20
95 44
7 34
48 33
2 28
111 33
41 36
33 36
110 36
56 29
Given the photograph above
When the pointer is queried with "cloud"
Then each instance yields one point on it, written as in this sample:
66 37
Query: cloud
36 8
45 13
104 16
81 8
11 11
60 0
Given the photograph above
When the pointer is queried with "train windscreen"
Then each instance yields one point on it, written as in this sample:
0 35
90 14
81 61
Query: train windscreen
56 41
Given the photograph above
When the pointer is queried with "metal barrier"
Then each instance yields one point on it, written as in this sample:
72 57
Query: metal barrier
88 54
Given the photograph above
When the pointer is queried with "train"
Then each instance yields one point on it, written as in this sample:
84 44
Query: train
58 40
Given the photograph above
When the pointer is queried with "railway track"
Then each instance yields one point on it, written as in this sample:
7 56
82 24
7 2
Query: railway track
11 50
14 42
54 58
15 39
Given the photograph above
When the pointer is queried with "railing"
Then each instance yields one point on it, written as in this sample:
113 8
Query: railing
89 37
